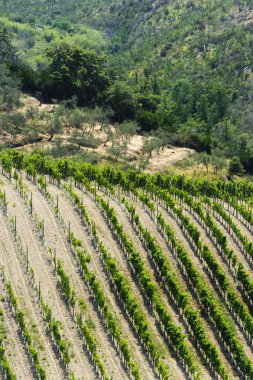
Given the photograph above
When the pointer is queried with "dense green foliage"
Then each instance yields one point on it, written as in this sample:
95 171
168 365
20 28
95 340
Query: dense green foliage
184 68
74 71
9 92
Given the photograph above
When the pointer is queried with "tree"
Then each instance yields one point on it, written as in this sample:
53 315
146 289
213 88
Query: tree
76 71
183 96
205 159
33 119
218 160
9 85
125 130
76 118
164 138
147 119
7 51
116 151
151 144
108 130
9 89
218 163
121 136
122 100
13 123
53 126
235 167
85 139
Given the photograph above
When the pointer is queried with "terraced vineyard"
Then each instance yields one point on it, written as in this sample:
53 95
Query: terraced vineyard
108 274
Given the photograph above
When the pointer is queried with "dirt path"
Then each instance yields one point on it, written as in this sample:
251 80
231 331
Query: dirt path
80 364
168 156
27 302
57 240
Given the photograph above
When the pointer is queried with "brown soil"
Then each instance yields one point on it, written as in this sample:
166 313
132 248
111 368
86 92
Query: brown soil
207 240
68 213
55 239
151 226
158 162
26 230
124 220
15 275
14 348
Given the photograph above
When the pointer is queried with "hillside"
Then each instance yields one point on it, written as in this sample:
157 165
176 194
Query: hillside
126 193
159 160
183 68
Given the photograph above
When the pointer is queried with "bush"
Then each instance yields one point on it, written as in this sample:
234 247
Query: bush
148 120
235 167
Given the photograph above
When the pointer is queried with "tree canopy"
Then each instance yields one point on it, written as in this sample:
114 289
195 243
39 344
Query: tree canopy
76 71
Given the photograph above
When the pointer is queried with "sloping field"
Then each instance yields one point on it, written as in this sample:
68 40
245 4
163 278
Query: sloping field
117 275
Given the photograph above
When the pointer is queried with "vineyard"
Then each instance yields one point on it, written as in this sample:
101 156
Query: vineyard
112 275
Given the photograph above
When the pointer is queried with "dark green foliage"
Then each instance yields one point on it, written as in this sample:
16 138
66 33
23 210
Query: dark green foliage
9 85
9 89
7 51
122 100
235 167
75 71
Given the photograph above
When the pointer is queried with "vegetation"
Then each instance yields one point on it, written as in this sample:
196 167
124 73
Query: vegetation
182 69
145 229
